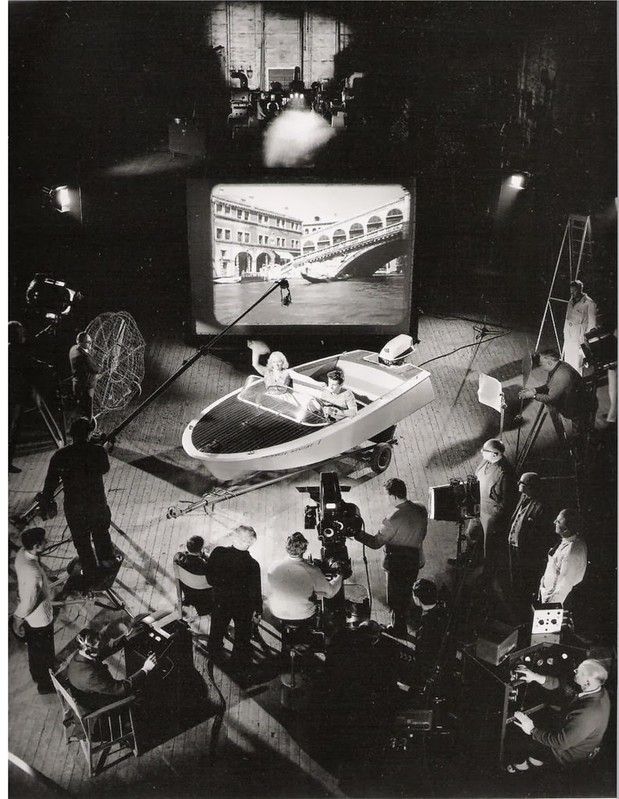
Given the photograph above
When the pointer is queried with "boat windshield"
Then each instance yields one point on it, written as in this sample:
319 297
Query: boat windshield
285 401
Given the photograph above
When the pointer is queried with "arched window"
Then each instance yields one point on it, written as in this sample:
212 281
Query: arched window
323 241
308 246
356 230
374 223
394 217
339 236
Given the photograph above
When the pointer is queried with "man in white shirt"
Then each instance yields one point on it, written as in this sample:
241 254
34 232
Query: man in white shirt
580 318
294 585
33 617
567 562
336 401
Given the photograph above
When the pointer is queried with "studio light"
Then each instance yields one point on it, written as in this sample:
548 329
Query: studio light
518 181
64 200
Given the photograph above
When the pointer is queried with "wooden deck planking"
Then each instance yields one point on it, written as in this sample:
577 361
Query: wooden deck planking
436 443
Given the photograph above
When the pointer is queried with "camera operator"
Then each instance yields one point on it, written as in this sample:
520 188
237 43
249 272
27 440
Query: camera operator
80 467
402 534
582 729
295 584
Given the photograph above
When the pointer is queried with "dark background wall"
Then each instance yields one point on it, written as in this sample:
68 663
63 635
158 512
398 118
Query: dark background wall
459 94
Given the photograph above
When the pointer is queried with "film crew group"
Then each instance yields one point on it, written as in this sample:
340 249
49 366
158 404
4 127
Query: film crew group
295 586
80 467
402 533
576 735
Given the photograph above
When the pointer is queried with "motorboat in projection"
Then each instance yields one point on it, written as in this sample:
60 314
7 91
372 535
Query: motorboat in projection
260 429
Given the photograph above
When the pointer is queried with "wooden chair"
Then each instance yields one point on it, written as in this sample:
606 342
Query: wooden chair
104 733
196 582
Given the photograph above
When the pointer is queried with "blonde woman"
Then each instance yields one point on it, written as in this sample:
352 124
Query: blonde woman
277 379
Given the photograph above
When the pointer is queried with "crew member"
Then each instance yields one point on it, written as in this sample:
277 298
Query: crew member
276 376
33 618
402 534
567 562
237 593
20 389
527 540
80 467
295 585
583 726
564 393
430 631
93 686
84 371
580 318
496 499
336 401
194 560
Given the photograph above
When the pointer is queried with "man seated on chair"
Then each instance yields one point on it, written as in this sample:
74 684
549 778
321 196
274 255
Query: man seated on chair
91 681
582 728
335 402
294 584
194 560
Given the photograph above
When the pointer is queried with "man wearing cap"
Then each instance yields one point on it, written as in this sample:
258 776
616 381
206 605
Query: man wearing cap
580 318
402 534
80 467
567 562
527 540
84 371
496 499
336 401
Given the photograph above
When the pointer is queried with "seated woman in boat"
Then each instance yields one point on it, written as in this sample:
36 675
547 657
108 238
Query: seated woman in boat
277 379
335 402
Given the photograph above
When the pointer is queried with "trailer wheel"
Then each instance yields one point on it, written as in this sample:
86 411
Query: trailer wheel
381 458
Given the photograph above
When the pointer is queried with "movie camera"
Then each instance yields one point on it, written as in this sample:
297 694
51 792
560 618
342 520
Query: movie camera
334 520
456 500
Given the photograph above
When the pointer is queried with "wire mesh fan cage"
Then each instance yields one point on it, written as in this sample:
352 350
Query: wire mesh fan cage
118 349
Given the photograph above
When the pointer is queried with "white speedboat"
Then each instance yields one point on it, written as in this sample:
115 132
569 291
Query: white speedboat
254 429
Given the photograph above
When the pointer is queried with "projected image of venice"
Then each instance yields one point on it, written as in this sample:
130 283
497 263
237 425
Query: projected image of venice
345 250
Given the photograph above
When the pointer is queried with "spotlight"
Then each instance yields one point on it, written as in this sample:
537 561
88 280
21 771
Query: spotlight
64 199
518 181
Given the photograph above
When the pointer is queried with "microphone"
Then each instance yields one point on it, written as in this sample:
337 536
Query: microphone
284 292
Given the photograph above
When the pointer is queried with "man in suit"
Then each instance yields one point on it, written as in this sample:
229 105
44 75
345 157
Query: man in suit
402 534
528 542
92 683
237 593
84 371
195 561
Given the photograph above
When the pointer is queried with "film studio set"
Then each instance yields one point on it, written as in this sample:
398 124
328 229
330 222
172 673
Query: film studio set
312 393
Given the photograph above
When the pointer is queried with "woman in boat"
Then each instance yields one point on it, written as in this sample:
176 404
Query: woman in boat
277 379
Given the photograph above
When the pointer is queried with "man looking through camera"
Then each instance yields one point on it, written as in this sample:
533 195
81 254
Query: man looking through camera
295 585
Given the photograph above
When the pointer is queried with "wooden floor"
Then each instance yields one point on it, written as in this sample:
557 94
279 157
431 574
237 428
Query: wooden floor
259 751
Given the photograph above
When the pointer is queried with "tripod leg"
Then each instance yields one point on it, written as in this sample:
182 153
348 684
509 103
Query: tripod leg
532 436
